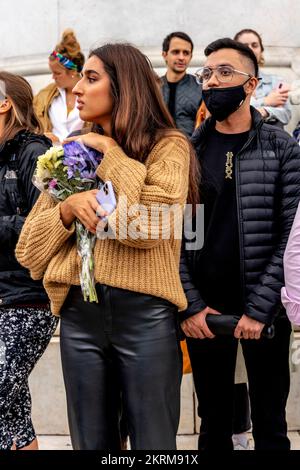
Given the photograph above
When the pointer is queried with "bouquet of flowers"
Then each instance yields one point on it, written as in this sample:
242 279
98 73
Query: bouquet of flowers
67 170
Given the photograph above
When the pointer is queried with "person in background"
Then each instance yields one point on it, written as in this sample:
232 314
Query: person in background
131 336
241 408
180 90
294 97
290 293
55 104
26 323
271 95
250 189
296 133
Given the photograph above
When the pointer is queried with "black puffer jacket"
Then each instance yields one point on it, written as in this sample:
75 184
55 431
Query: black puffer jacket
268 191
17 196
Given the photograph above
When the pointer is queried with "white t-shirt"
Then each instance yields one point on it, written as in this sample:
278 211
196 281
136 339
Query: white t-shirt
62 122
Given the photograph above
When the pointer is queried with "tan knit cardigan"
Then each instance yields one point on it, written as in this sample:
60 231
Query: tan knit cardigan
145 265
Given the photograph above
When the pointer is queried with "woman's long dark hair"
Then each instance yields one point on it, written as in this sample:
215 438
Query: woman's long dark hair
140 117
21 115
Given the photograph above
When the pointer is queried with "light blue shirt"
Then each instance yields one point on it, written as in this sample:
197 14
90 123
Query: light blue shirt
264 87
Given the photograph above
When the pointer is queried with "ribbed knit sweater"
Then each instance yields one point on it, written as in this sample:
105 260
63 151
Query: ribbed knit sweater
141 264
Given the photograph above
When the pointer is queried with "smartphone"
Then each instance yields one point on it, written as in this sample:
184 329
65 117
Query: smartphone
284 87
106 198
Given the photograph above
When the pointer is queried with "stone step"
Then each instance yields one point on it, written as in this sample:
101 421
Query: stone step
49 402
189 442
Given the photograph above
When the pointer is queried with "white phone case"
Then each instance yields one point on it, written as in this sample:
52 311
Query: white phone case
106 197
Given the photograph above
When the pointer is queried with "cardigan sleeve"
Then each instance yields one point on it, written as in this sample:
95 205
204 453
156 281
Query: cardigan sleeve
42 236
150 196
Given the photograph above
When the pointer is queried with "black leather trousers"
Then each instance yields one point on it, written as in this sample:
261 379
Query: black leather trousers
127 344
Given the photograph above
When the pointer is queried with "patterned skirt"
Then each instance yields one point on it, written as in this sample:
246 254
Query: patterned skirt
24 335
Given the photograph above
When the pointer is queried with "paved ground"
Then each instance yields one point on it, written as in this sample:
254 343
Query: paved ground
183 442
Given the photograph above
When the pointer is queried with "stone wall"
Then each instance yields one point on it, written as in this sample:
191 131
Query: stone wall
31 28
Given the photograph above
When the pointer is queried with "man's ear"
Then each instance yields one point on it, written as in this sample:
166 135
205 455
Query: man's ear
251 85
164 55
5 105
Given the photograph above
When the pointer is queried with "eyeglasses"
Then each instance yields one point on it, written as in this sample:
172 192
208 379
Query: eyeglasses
224 74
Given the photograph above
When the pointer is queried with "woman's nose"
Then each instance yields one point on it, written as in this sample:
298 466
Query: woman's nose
76 89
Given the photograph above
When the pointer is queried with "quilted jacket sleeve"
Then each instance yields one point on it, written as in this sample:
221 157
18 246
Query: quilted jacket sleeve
264 302
195 301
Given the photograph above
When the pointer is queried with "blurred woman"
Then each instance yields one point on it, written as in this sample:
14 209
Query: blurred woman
26 323
55 104
271 95
131 336
290 293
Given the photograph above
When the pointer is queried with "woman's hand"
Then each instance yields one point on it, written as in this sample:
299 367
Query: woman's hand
102 143
52 137
84 207
276 98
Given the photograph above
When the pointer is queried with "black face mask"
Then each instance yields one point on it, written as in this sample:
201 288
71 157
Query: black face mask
221 102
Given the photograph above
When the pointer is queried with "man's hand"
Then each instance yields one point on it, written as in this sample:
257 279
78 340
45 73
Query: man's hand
196 326
248 328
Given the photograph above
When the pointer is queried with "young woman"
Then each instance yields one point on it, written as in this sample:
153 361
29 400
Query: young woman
271 94
26 323
131 336
55 104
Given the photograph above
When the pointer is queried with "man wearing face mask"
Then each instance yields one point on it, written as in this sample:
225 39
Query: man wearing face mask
250 189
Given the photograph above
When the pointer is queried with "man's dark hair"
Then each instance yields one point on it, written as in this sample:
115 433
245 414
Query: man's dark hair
227 43
177 34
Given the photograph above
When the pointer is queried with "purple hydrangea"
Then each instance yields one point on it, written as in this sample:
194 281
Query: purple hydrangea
81 161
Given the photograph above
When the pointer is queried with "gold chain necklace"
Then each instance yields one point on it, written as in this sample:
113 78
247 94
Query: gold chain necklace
228 166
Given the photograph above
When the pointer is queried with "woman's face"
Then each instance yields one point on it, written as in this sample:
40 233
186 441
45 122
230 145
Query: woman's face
5 110
63 78
252 41
93 91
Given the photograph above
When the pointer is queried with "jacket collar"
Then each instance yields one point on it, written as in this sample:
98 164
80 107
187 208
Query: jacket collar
183 80
200 135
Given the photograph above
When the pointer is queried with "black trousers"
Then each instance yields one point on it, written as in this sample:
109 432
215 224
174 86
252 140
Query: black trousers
267 362
129 343
241 409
